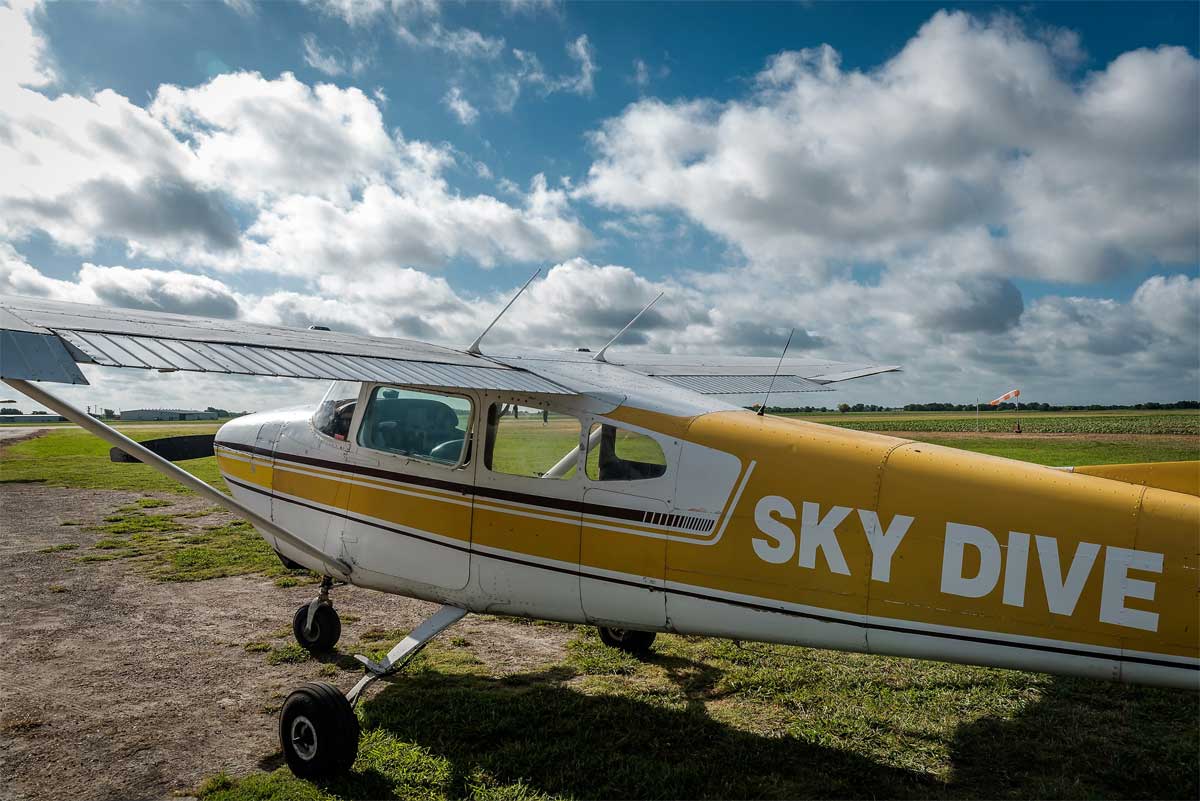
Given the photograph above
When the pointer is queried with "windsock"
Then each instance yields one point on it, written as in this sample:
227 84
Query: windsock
1016 393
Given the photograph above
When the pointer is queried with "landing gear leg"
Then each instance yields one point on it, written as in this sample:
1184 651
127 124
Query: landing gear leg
316 624
632 642
318 730
407 648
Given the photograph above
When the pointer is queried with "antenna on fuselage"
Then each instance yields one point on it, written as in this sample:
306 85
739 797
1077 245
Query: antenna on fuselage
474 346
763 409
599 357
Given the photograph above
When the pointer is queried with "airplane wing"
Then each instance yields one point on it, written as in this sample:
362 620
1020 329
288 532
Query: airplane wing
45 340
741 375
705 375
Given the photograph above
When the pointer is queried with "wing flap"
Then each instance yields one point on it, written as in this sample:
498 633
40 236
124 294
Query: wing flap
745 375
744 384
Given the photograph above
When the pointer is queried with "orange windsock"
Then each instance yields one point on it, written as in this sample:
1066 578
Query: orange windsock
1016 393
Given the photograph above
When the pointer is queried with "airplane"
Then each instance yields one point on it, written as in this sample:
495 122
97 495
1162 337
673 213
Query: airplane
626 492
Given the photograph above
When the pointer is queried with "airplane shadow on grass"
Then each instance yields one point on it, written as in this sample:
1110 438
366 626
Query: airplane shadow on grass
1084 739
1080 739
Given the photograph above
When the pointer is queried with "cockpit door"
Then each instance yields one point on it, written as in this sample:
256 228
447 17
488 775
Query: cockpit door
408 507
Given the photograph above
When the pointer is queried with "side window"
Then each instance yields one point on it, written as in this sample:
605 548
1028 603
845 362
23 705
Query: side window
423 425
337 409
618 454
526 441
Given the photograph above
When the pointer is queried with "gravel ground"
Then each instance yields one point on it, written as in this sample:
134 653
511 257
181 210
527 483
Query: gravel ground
117 686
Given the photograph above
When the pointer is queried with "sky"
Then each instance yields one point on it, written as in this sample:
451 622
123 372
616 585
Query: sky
992 196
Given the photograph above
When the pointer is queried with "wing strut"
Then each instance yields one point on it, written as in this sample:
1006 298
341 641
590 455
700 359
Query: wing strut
336 567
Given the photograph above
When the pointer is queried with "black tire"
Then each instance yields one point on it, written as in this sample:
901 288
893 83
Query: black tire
631 642
326 629
318 732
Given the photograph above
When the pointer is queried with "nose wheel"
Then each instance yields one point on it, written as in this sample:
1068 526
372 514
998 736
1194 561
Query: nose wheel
318 731
316 624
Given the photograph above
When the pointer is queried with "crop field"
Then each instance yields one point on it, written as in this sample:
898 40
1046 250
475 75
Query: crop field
697 718
1169 423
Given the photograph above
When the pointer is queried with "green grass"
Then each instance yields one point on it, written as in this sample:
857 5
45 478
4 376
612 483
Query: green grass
709 719
167 549
72 458
66 546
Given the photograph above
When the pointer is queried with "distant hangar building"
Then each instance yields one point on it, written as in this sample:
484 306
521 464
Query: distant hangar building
166 414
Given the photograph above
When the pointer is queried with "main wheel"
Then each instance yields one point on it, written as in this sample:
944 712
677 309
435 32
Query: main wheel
318 731
631 642
325 631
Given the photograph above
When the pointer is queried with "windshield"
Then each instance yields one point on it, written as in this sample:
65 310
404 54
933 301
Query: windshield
336 410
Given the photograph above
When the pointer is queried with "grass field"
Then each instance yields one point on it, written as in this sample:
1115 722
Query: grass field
711 719
699 718
75 458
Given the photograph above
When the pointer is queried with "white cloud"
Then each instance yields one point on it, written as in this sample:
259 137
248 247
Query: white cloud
529 72
18 277
80 169
23 56
532 6
461 42
460 106
318 59
257 137
357 13
244 8
641 73
178 181
425 226
582 52
416 23
971 127
153 290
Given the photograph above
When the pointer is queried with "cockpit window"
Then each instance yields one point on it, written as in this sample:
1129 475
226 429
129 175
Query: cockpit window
618 454
423 425
531 442
337 409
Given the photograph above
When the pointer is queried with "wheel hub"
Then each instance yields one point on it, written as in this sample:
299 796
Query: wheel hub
304 738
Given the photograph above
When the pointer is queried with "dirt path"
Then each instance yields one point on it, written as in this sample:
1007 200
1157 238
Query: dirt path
116 686
8 436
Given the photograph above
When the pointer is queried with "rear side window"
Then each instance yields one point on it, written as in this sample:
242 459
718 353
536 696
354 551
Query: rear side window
527 441
618 454
423 425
